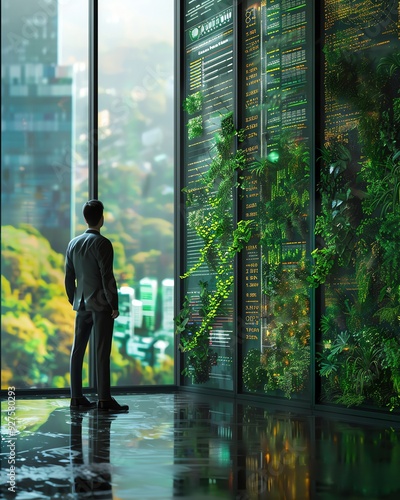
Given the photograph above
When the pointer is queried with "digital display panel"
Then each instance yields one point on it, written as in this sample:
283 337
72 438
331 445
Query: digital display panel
365 33
253 125
357 225
276 100
209 83
209 71
362 27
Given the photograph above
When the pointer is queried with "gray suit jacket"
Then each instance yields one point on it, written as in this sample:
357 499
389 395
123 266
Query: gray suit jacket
89 272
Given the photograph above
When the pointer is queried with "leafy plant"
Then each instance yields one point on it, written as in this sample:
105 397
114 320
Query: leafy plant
357 255
356 363
193 103
195 127
210 216
334 224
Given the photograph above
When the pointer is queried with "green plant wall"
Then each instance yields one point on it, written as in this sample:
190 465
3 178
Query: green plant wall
297 211
357 259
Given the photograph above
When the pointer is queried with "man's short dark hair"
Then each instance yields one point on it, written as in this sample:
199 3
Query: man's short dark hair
93 211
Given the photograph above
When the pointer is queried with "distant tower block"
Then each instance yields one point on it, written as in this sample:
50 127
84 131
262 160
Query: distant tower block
38 123
148 297
124 326
137 313
167 287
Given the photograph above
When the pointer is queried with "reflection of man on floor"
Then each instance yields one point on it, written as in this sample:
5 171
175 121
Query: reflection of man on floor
95 476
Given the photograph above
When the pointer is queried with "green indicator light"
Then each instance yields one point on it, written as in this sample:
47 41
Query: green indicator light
273 156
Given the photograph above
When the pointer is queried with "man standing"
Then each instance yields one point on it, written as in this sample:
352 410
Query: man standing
92 291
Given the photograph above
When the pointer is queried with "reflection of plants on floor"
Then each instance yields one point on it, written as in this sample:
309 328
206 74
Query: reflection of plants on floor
283 441
358 254
210 216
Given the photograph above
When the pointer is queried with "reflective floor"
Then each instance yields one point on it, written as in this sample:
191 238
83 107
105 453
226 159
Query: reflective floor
192 446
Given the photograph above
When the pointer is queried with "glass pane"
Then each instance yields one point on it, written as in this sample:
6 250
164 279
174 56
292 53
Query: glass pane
44 173
136 182
208 139
277 108
357 261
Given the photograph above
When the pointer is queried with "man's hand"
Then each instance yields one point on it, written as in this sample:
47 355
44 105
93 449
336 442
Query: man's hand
115 314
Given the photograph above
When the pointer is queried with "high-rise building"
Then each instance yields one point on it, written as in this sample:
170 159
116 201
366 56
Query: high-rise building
29 31
167 287
148 296
37 115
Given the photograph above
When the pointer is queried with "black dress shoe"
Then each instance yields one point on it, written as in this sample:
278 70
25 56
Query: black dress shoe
112 406
81 404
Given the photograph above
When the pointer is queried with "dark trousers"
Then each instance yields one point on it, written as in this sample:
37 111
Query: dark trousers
102 325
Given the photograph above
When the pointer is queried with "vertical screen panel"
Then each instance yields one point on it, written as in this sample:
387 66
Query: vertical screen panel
253 118
357 259
208 89
276 96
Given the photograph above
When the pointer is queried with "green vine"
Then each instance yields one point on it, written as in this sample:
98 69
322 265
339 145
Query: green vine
210 216
334 224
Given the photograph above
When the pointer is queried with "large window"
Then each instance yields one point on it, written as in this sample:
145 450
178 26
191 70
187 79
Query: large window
45 171
136 181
